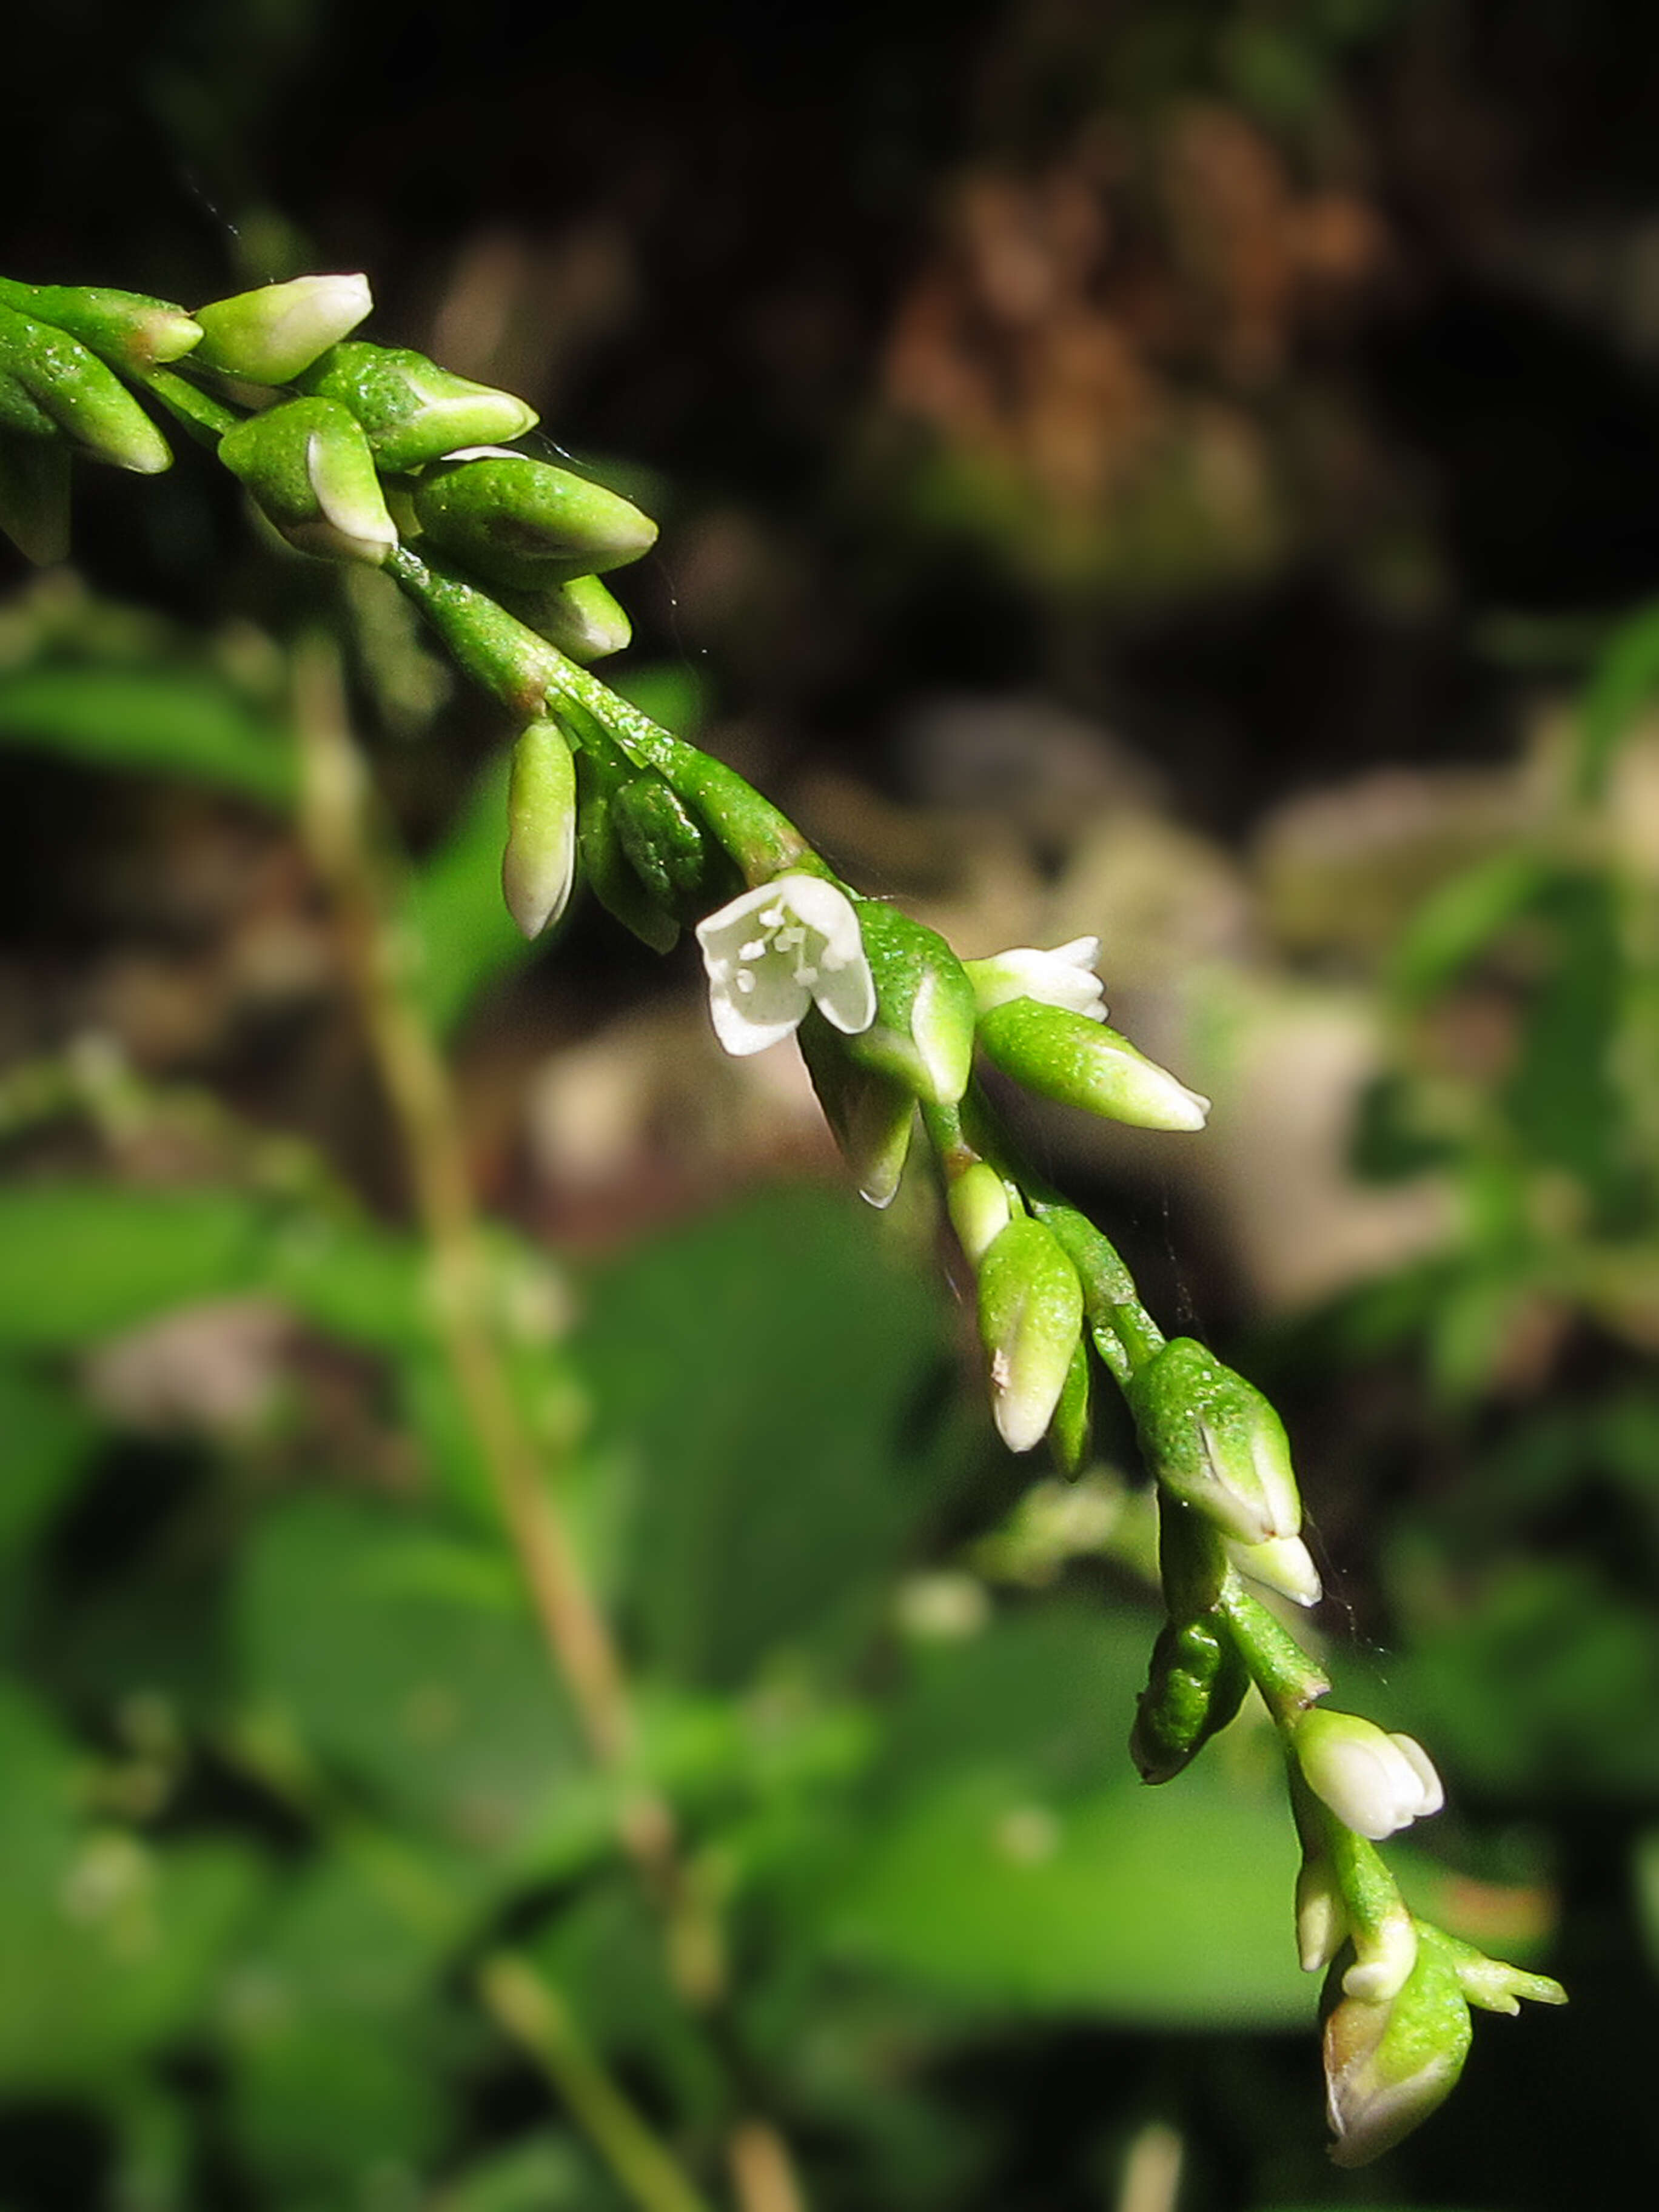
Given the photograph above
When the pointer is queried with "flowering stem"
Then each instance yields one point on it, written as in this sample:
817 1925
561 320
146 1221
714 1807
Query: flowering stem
206 418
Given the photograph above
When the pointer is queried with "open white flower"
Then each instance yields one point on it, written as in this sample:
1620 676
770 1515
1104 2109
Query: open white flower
1064 977
771 953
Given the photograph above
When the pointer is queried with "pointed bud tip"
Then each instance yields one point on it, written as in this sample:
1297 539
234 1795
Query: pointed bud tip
272 334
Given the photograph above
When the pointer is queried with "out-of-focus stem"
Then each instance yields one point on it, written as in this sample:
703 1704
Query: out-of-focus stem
334 806
535 2017
418 1087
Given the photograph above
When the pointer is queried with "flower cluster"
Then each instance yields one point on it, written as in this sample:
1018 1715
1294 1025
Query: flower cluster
355 451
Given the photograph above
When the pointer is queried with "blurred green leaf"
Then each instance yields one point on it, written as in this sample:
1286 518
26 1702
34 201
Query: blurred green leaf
1014 1858
333 2016
180 722
545 2173
110 1942
1625 678
80 1259
1547 1687
781 1393
1561 1096
409 1662
1457 922
46 1436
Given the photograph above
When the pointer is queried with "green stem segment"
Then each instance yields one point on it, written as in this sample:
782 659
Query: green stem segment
1286 1677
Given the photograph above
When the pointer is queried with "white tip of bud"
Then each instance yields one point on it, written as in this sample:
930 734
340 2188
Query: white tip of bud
538 865
1160 1100
355 523
269 336
1031 1318
1283 1563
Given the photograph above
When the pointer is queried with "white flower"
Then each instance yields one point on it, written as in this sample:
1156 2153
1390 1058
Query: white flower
1064 977
774 951
1374 1783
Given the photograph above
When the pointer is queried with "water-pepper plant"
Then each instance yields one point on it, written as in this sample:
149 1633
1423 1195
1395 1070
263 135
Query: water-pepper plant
359 453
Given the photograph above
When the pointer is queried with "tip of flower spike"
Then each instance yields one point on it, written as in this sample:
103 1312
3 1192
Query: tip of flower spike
271 335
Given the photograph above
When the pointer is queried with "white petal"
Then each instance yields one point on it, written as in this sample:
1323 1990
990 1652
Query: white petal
1077 952
822 906
1061 978
847 997
723 932
742 1031
1432 1793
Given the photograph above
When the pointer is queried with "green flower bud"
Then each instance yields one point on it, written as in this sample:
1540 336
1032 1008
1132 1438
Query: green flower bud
34 497
669 849
1389 2063
49 382
870 1115
1214 1442
412 411
1031 1319
979 1208
1066 1055
611 876
125 329
580 618
1194 1686
923 1032
269 336
524 524
307 467
538 865
1375 1783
